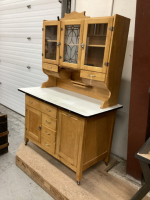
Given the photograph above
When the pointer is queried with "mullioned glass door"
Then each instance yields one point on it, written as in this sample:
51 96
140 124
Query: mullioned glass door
51 43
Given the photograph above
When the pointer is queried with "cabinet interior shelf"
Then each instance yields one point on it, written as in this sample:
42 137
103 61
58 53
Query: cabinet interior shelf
94 45
51 40
93 35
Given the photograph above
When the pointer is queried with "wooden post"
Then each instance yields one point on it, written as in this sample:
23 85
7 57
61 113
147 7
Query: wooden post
140 84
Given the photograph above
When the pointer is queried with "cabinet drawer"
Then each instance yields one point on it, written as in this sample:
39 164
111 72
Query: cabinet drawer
92 75
50 146
49 121
50 67
32 102
48 109
48 133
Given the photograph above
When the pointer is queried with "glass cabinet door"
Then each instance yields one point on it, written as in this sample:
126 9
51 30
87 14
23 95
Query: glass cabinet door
71 39
51 37
96 43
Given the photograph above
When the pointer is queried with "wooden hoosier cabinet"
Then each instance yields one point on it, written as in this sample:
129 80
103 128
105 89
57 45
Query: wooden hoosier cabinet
72 115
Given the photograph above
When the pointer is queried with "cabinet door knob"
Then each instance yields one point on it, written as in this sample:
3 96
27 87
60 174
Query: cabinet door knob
106 64
39 128
58 43
82 46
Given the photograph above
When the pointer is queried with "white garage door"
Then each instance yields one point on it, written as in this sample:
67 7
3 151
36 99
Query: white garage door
17 23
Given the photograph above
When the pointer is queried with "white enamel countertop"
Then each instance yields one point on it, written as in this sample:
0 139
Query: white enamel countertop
77 103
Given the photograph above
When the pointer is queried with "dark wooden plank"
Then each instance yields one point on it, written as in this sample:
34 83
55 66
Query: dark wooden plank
3 140
3 127
139 100
4 145
3 151
4 133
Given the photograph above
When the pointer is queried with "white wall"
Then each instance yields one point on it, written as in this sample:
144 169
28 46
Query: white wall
127 8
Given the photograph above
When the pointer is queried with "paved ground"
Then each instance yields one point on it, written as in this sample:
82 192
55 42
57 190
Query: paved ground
15 184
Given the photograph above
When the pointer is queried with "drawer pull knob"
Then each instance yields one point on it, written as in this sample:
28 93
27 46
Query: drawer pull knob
48 122
31 101
39 128
92 76
47 133
47 144
49 67
48 110
69 115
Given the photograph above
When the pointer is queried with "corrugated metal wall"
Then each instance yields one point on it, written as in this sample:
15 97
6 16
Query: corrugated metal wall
17 22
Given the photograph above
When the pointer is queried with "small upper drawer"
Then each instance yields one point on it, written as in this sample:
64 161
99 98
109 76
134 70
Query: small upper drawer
48 109
50 67
32 102
49 121
92 75
48 133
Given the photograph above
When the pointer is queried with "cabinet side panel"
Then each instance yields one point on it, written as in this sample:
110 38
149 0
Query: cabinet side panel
116 58
97 141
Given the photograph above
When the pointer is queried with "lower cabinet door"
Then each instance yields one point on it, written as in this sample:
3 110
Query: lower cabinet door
34 120
70 130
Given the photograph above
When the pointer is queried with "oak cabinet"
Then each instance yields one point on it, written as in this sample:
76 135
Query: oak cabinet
86 54
83 58
78 44
76 141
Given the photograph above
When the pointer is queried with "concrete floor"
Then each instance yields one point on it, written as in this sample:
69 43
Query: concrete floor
15 184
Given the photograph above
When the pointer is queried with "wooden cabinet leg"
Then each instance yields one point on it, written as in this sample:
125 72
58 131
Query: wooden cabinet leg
106 160
78 176
111 136
26 140
80 156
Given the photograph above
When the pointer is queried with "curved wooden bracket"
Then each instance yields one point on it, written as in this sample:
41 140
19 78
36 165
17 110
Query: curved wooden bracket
51 82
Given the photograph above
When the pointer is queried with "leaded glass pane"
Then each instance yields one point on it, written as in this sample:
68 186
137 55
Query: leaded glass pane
72 35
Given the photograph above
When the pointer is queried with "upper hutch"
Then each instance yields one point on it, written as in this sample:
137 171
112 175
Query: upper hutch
86 55
72 115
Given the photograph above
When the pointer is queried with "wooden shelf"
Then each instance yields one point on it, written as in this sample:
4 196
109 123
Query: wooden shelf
71 44
51 40
93 45
93 35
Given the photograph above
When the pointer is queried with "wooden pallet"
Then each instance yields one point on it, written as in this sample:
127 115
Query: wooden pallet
96 183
